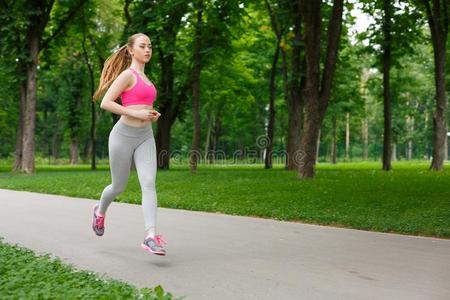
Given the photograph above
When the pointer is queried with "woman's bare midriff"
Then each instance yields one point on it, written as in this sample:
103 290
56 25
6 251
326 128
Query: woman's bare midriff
134 121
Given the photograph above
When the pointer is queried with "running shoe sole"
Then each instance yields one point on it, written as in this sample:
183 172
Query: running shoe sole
145 247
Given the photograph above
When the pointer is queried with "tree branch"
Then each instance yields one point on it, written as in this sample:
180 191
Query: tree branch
127 13
431 21
62 24
97 49
313 23
273 21
334 33
46 14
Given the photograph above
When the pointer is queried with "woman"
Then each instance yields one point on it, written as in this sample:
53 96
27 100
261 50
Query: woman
132 136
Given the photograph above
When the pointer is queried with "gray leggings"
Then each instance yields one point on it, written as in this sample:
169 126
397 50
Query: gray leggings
125 143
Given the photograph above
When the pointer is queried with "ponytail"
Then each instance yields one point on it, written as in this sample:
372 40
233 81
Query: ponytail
114 65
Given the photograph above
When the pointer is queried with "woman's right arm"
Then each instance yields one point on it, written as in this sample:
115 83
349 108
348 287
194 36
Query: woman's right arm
120 84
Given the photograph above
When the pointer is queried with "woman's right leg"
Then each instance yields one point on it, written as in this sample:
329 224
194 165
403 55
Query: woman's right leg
120 156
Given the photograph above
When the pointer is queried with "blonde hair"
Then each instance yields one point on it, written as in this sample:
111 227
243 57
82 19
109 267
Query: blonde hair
115 64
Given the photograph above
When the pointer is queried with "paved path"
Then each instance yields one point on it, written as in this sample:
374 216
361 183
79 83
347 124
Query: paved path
214 256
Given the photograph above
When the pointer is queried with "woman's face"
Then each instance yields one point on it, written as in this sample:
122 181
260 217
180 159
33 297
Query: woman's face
142 49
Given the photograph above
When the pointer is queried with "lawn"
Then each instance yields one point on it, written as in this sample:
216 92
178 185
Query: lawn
409 200
25 275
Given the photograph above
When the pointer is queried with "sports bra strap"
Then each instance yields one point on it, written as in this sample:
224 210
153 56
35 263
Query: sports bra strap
139 78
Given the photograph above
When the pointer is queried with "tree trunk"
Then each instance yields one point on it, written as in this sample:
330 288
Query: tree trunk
438 20
287 95
312 120
272 88
74 150
410 124
208 137
365 130
217 132
318 147
386 85
74 124
347 136
195 149
394 152
271 123
93 133
365 75
409 151
162 139
169 112
93 129
36 26
333 141
427 148
293 135
308 143
316 93
45 133
294 100
19 132
28 142
446 148
212 144
55 146
169 104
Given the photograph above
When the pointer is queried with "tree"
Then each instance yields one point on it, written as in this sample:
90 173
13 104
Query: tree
279 29
93 131
294 88
397 27
437 13
195 148
35 40
387 44
317 90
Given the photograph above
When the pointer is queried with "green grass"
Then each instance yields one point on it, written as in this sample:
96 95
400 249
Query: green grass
25 275
409 200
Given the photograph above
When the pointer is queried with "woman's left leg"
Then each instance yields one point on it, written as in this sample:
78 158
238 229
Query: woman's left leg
145 162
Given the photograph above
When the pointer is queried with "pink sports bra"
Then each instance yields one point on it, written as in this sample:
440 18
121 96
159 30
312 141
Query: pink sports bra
140 93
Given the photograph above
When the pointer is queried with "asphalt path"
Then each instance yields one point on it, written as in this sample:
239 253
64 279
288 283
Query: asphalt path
216 256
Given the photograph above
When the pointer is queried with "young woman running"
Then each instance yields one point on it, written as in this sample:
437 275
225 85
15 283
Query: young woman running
132 136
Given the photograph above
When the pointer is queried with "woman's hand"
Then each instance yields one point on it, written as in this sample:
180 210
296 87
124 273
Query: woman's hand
143 114
154 115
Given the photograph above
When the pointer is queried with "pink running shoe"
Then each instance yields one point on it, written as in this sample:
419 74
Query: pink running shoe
98 222
154 245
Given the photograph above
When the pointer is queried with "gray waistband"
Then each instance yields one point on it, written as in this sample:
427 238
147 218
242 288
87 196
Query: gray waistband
133 131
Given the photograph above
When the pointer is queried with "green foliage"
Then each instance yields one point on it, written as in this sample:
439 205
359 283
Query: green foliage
406 30
25 275
238 45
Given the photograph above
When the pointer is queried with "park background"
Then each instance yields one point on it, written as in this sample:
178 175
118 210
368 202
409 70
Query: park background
247 63
255 97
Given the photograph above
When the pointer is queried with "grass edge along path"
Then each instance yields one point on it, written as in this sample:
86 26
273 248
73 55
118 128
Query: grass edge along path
409 200
26 275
